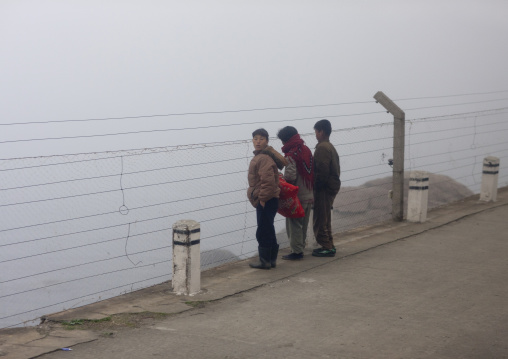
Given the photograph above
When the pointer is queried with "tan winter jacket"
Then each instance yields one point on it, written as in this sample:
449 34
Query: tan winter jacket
264 176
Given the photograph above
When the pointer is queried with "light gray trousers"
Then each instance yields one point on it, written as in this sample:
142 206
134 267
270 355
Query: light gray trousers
296 229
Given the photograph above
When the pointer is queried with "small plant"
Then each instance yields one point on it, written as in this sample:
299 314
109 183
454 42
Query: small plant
122 320
197 303
71 324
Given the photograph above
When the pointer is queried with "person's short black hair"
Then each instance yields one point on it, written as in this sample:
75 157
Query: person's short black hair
325 126
260 132
286 133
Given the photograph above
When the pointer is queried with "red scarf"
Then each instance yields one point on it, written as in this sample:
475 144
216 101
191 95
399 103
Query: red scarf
302 156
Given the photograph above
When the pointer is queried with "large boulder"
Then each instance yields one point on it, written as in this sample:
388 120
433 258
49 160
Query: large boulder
370 203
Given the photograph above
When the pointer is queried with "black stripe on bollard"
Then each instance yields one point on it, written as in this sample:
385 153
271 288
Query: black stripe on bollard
419 179
186 231
490 172
188 244
491 164
420 188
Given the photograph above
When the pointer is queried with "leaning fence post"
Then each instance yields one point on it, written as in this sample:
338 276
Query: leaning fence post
186 257
489 179
418 196
399 133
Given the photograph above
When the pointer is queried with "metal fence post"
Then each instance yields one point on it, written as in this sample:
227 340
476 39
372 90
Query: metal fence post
186 257
399 132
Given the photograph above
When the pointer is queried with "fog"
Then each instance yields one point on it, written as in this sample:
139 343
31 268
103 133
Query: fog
86 77
72 61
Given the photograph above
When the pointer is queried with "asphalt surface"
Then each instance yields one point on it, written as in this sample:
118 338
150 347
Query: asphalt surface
437 289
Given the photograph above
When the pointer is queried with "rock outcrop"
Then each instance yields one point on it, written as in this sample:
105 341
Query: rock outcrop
370 203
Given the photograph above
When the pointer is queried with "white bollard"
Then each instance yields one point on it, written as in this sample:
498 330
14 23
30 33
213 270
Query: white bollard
418 196
489 179
186 257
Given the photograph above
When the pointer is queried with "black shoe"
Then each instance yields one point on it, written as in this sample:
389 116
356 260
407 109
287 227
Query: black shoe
264 259
293 256
324 253
334 250
274 254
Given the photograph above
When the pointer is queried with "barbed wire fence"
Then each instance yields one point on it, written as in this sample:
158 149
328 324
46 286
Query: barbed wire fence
79 228
478 135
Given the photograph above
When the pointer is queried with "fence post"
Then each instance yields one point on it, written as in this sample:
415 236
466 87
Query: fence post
399 132
418 196
186 257
489 179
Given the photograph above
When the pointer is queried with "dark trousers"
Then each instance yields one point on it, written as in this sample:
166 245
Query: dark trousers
322 219
265 234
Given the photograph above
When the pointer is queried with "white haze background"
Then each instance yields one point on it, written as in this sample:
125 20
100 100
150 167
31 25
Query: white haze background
75 60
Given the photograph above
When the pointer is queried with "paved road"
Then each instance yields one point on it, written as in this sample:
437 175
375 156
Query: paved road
439 293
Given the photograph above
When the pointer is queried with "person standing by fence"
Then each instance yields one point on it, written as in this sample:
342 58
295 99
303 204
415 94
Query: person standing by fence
300 172
263 194
326 187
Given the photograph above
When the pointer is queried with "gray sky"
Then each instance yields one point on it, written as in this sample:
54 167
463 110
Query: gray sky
72 60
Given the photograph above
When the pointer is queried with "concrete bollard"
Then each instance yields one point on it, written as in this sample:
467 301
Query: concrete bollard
489 179
186 257
418 196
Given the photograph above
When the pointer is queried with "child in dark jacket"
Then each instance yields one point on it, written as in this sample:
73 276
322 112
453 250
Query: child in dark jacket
326 187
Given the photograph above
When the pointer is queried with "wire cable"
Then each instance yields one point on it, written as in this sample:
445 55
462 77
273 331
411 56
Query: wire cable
116 211
83 245
455 104
446 96
246 110
124 174
181 129
455 129
94 275
187 113
482 113
117 225
74 266
81 297
157 150
116 190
